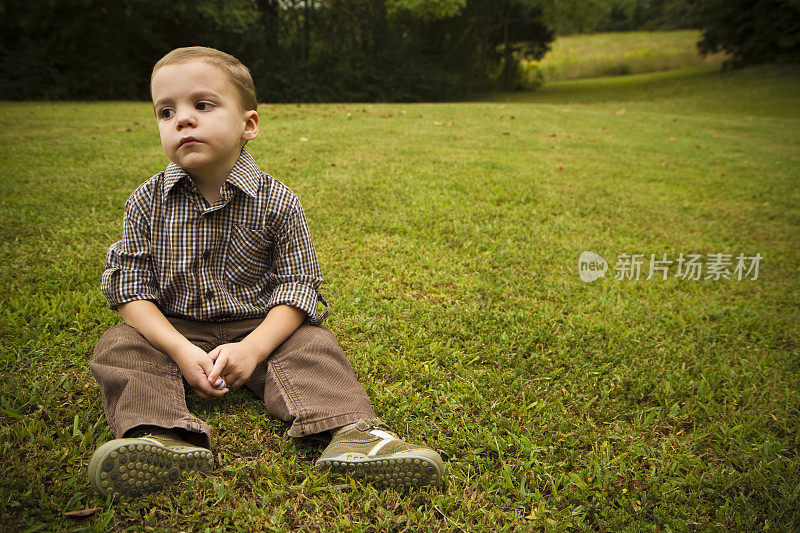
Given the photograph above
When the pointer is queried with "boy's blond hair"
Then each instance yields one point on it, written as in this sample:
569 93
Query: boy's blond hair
229 65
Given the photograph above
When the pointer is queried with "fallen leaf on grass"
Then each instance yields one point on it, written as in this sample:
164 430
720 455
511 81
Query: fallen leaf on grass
621 112
550 135
83 513
636 486
437 123
663 163
672 139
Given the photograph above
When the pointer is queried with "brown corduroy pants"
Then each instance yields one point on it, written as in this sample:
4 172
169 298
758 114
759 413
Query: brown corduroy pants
307 380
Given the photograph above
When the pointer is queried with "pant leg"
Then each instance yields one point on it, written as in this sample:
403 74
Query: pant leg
142 386
307 381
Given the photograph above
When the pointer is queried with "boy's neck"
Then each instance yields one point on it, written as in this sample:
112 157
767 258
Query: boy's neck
210 191
210 181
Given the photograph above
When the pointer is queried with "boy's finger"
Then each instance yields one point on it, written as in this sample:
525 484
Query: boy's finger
206 391
219 364
213 354
207 366
200 392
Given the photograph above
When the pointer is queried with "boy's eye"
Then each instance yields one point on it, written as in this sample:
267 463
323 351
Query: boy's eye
203 106
166 113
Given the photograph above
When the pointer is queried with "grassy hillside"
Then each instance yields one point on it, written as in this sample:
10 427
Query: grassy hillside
610 54
449 236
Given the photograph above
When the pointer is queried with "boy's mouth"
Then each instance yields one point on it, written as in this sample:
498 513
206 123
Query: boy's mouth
187 140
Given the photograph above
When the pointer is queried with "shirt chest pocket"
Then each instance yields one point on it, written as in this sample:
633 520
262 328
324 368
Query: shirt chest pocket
248 257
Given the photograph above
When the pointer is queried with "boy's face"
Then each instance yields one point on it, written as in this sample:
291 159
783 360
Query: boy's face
200 119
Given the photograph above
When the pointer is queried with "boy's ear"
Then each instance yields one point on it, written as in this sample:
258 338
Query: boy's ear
250 125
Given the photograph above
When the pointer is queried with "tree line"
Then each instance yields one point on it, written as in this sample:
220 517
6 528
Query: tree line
345 50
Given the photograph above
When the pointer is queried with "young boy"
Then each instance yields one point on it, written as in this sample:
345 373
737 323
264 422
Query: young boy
217 282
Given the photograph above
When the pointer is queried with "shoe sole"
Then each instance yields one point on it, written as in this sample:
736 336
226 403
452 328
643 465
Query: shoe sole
389 471
130 467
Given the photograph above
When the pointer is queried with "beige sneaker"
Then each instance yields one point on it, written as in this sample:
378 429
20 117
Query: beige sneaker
133 466
367 450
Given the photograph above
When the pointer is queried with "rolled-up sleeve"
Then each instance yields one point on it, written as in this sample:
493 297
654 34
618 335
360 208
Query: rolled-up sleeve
297 276
129 272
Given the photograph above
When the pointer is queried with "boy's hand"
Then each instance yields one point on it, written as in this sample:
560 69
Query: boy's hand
195 365
236 360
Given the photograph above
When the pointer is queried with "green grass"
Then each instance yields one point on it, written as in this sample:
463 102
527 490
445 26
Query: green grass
450 254
608 54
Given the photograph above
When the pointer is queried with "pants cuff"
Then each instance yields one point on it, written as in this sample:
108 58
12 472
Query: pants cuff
192 430
302 429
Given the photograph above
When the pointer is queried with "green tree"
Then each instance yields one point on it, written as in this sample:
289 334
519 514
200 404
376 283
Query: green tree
88 49
751 31
297 50
576 16
517 26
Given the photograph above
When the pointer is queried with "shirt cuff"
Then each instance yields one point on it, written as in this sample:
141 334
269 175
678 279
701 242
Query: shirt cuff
123 286
302 297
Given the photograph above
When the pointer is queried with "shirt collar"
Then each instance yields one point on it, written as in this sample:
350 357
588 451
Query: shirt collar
245 175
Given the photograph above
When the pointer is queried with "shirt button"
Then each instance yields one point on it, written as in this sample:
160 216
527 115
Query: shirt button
209 294
207 255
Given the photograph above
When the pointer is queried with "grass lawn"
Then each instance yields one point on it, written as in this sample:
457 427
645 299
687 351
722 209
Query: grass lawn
608 54
449 236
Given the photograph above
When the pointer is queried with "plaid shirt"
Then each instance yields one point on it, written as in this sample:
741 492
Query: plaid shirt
238 258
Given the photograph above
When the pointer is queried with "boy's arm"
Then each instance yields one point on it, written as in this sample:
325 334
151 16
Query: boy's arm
296 274
194 362
238 359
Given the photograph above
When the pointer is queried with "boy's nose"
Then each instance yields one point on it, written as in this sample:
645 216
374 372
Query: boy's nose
186 119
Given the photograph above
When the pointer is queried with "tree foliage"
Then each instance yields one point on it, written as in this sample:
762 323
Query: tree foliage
298 50
751 31
427 9
99 49
587 16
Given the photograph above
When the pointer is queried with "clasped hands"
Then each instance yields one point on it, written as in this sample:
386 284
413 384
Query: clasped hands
204 371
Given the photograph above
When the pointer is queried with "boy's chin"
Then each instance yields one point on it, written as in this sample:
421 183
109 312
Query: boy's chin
190 164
